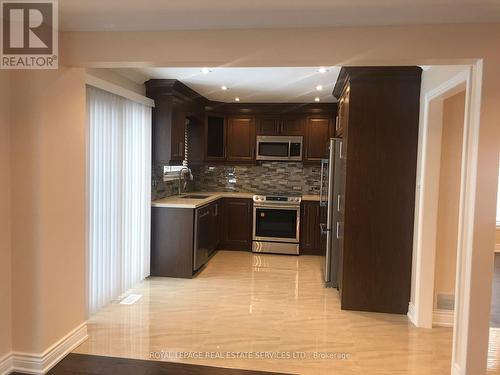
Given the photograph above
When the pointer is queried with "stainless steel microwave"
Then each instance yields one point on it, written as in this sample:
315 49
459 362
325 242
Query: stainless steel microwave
279 148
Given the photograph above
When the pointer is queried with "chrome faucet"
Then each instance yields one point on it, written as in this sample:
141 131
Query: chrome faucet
186 175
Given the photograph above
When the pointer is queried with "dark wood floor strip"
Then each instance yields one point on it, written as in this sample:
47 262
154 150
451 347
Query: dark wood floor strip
80 364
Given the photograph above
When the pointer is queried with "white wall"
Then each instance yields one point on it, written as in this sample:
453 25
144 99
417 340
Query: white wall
48 160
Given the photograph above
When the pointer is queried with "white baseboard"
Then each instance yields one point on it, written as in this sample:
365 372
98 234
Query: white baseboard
412 313
6 364
39 364
443 318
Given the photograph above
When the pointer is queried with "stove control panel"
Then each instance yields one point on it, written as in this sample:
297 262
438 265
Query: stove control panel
277 199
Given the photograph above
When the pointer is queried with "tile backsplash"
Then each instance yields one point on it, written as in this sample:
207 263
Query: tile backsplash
159 188
268 177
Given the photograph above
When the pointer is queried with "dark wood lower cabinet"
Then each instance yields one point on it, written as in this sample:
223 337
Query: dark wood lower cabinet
226 223
214 226
311 240
172 242
237 224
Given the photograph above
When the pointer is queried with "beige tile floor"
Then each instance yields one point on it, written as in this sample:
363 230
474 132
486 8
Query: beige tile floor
244 305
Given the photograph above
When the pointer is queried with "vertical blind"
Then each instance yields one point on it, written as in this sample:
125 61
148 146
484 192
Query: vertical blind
119 175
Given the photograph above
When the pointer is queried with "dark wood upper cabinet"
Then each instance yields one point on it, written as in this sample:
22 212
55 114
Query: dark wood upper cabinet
268 125
281 125
178 132
237 224
215 136
292 124
317 136
175 105
343 112
241 138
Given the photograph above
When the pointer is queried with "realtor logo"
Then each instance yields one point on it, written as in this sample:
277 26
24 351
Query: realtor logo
29 34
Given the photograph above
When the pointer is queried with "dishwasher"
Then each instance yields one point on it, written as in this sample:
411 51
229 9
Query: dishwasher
201 237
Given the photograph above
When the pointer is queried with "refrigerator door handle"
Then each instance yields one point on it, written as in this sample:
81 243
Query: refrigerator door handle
328 255
322 202
329 203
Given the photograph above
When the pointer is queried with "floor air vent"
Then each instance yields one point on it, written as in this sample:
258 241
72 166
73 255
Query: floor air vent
130 299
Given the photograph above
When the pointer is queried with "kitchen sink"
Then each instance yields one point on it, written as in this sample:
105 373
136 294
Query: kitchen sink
195 196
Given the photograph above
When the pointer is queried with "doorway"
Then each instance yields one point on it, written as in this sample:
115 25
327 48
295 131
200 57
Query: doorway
453 112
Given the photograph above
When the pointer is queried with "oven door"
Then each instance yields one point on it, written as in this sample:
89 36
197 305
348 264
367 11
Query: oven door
277 223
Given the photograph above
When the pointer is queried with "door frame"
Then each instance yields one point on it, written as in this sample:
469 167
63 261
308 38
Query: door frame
426 210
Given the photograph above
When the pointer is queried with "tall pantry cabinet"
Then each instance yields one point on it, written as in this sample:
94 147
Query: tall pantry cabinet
378 117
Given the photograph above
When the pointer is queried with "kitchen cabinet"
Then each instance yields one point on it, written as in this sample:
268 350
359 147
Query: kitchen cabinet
214 230
378 121
317 137
215 136
231 128
267 125
182 239
280 125
175 105
172 238
178 133
237 224
343 112
292 124
241 138
311 240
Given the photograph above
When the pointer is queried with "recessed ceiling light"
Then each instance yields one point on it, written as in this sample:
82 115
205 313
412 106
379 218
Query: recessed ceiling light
223 88
236 99
317 99
205 70
322 70
319 87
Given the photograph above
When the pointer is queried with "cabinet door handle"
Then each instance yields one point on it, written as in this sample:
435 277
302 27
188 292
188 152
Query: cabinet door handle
337 122
323 228
203 214
339 230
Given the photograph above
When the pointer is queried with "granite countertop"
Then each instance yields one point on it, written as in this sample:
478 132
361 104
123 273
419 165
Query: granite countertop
179 202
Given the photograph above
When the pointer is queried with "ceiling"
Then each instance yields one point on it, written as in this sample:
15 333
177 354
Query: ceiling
251 85
146 15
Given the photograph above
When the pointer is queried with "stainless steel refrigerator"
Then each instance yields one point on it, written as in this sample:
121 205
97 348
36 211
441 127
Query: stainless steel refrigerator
332 197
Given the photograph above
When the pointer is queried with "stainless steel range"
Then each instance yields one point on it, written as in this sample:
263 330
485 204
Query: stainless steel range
276 223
